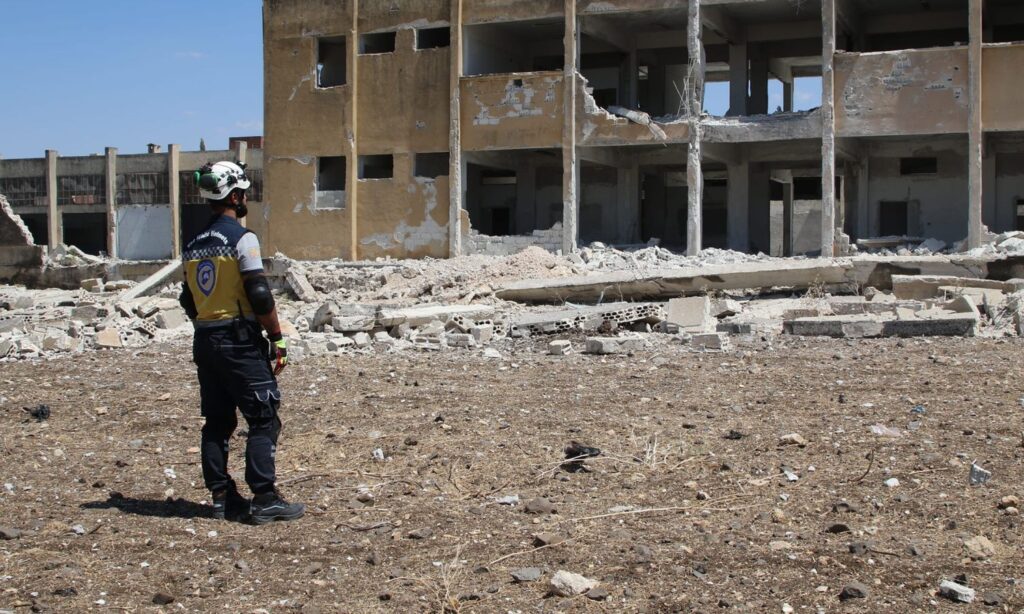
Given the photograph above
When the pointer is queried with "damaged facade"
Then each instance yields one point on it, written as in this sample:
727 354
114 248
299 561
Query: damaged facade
437 128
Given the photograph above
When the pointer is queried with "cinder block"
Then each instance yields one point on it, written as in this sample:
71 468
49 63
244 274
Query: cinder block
710 341
692 314
482 333
613 345
560 347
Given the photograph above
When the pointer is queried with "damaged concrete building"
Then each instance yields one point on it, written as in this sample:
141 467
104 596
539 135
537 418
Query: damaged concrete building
412 128
130 207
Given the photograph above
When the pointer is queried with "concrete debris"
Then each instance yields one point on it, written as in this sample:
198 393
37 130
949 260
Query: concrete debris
691 314
559 347
710 341
639 117
300 286
614 345
956 592
568 584
978 475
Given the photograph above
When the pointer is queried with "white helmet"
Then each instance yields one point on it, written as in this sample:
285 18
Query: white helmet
217 180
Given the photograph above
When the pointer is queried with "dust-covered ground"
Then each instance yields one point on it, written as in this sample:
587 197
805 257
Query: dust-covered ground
688 508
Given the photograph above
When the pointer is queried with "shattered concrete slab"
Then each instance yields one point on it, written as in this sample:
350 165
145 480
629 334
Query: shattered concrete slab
586 318
920 287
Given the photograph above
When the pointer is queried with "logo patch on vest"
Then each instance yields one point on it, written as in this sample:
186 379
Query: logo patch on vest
206 276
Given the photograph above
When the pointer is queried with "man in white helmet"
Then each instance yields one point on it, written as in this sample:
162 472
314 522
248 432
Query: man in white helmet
229 301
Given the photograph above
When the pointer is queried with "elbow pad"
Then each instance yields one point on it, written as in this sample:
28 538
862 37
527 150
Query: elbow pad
258 292
188 302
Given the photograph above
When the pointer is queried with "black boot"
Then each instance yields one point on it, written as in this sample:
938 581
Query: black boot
271 506
229 504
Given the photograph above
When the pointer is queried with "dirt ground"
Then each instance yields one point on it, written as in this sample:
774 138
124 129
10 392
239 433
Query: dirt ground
677 514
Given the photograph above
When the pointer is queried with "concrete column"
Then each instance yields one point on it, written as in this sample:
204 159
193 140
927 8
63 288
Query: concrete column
758 87
54 223
456 175
990 206
570 161
174 192
694 173
526 196
110 172
739 78
629 204
975 228
352 149
828 130
787 96
738 206
788 219
759 209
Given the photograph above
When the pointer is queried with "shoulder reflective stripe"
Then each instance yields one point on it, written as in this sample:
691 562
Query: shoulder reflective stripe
210 252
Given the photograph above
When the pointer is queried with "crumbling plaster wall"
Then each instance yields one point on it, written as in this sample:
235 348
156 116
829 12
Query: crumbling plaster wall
911 92
937 204
518 111
596 126
17 250
1001 93
489 11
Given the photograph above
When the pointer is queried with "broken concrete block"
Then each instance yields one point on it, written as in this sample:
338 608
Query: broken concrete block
956 592
382 338
692 314
361 339
171 319
848 305
418 316
87 313
460 340
725 307
459 324
933 324
353 323
920 287
735 328
482 334
710 341
8 348
613 345
560 347
109 338
839 327
145 327
94 284
793 314
300 286
335 343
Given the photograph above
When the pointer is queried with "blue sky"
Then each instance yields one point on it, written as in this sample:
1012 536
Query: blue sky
81 75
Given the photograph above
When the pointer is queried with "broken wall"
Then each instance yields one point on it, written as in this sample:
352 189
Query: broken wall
911 92
1001 96
405 216
17 250
518 111
476 243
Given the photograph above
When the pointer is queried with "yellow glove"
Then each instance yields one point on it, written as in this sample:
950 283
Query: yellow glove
279 347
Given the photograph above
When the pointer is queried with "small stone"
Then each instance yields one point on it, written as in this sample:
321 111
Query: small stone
597 594
8 533
568 584
792 439
915 550
992 598
859 548
547 539
241 565
540 505
527 574
854 590
1009 501
956 592
162 599
778 516
978 475
423 533
1012 511
78 529
979 548
892 483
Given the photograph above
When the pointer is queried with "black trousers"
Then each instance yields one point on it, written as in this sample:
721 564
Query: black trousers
234 373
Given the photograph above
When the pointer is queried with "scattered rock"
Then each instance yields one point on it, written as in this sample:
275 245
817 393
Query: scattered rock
992 598
527 574
1009 501
978 474
597 594
854 590
568 584
979 548
8 533
162 599
547 539
956 592
423 533
892 483
792 439
540 505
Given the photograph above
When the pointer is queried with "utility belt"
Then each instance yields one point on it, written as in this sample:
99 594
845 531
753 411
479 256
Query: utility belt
241 330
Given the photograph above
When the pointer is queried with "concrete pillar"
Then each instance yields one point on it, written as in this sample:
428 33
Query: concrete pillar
975 228
787 96
570 161
54 223
737 207
174 193
864 198
526 196
788 219
352 151
759 209
110 172
758 104
739 77
828 130
629 204
694 172
457 165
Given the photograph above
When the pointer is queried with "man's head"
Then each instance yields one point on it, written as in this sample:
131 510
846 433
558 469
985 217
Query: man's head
223 185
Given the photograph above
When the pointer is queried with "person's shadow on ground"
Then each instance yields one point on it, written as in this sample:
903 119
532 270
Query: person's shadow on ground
163 508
